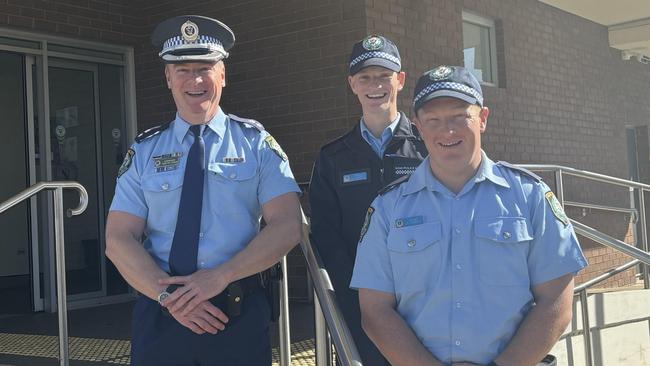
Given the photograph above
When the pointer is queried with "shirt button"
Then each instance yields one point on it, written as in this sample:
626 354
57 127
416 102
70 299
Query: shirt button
458 305
457 230
200 235
165 186
411 243
458 266
457 342
506 235
202 263
232 175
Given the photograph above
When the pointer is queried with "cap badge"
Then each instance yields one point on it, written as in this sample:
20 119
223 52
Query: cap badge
440 72
373 43
190 31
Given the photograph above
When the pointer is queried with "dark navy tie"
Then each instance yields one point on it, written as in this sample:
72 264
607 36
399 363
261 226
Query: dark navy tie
185 246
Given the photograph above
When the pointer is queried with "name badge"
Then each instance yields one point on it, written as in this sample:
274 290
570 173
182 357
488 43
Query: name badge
409 221
167 162
355 177
235 159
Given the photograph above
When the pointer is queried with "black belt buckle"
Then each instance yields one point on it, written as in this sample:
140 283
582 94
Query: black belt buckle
234 299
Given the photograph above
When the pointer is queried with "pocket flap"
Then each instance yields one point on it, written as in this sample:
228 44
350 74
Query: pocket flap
414 238
162 182
234 171
503 229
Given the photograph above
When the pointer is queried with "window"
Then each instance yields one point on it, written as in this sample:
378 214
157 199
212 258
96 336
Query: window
479 47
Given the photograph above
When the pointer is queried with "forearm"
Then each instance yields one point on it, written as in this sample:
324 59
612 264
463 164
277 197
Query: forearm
540 330
266 249
395 339
134 263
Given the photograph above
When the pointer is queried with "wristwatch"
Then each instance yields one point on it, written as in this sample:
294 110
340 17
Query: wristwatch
166 292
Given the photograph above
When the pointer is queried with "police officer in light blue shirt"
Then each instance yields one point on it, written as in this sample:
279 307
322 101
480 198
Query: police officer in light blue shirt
468 261
195 189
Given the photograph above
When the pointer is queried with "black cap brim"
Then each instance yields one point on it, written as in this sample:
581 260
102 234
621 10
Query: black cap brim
387 64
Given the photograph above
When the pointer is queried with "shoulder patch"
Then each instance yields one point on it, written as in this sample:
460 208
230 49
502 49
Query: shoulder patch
527 172
556 207
366 223
247 121
153 131
392 185
126 164
273 145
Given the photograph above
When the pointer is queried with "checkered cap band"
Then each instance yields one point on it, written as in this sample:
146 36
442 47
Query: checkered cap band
205 41
448 86
375 54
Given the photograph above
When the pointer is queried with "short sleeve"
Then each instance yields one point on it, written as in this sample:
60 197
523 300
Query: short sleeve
555 250
128 196
372 267
276 177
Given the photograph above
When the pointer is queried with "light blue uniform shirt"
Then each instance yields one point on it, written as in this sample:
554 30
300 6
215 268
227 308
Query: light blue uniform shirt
243 173
462 265
379 145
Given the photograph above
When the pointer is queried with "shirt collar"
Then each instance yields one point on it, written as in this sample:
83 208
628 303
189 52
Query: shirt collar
388 131
216 124
422 177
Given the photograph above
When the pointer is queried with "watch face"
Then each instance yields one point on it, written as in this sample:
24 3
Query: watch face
163 295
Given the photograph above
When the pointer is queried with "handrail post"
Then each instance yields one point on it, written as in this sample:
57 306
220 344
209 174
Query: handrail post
284 329
322 353
644 236
586 328
60 277
559 186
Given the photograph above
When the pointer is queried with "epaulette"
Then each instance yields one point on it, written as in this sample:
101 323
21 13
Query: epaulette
153 131
527 172
394 184
247 121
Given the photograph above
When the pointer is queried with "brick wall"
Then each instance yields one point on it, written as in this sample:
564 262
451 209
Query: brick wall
114 21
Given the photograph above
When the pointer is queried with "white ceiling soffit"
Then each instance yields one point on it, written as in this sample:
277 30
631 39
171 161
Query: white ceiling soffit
628 21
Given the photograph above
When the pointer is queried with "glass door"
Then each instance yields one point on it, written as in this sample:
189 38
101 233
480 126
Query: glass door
15 228
75 147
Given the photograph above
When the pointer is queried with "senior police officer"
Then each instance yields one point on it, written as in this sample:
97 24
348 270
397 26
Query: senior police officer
351 169
195 190
468 261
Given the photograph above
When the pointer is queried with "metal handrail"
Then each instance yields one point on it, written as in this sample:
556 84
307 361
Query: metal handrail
57 187
639 255
346 349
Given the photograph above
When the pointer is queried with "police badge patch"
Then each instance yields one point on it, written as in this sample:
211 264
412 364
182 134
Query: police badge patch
556 207
366 223
372 43
440 73
190 31
273 145
126 164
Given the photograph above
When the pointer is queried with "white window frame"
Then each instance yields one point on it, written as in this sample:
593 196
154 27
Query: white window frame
490 24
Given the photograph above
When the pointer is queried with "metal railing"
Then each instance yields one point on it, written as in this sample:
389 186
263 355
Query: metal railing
57 187
330 324
639 255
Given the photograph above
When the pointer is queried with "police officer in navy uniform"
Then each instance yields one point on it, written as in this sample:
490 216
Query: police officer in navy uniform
184 225
351 169
466 261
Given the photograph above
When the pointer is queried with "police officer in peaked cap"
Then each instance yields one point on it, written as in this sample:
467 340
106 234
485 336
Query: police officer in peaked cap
382 146
184 225
467 261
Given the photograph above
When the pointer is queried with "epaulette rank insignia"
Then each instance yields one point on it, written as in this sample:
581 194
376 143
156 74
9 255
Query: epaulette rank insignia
525 171
153 131
247 121
394 184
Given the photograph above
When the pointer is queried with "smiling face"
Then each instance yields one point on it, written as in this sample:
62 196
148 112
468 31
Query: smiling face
196 88
451 130
377 88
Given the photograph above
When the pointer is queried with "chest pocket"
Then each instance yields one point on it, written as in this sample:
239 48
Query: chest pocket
416 255
162 191
232 186
503 246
